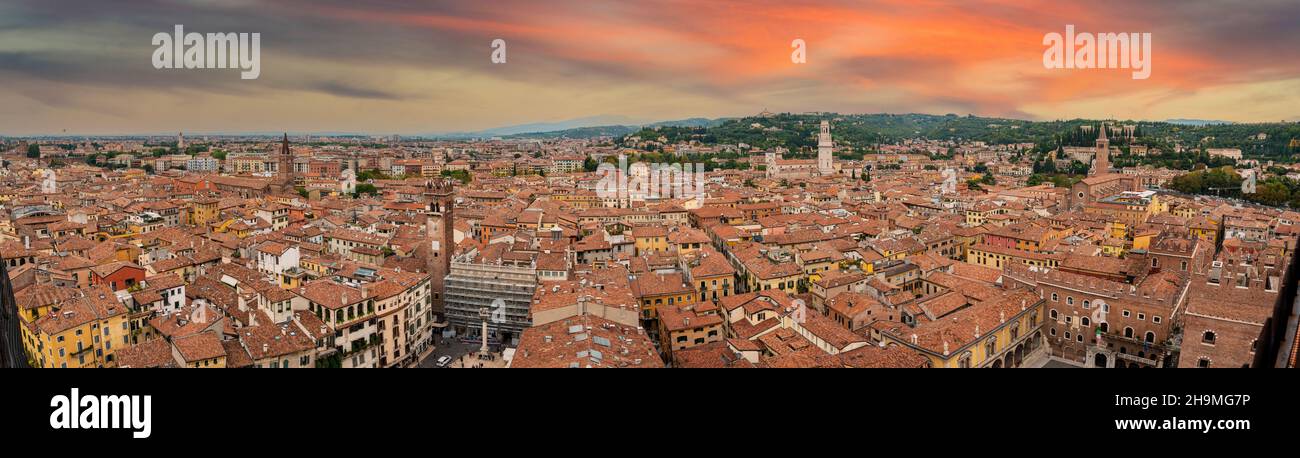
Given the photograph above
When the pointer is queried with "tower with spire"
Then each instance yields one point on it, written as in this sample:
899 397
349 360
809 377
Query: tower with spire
1101 164
284 176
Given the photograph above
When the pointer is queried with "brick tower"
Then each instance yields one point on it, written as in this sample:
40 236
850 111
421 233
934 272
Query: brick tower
439 237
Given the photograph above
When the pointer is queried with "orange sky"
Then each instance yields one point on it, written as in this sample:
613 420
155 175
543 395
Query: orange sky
411 67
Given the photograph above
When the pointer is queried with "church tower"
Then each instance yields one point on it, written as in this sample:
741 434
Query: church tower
439 237
825 161
1101 164
284 182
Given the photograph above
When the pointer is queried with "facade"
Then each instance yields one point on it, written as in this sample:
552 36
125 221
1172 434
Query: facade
503 292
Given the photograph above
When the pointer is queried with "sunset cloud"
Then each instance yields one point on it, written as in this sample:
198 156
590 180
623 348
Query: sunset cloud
401 67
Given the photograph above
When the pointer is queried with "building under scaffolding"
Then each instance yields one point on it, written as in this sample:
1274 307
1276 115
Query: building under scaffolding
504 291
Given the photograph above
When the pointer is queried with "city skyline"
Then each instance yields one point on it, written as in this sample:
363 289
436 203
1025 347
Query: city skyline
84 68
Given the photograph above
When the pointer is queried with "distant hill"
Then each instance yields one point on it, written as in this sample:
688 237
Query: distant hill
617 130
1196 122
856 134
577 123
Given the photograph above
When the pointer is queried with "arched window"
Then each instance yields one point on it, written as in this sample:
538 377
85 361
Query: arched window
1208 338
1105 327
1128 332
1055 298
1087 303
1151 337
1052 314
1069 300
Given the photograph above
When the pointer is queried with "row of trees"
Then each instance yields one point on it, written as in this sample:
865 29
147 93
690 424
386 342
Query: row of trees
1277 191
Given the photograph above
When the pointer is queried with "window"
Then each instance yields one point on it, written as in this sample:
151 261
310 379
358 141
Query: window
1052 332
1079 337
1053 314
1126 314
1055 298
1084 321
1203 362
1087 303
1142 317
1069 300
1155 319
1151 337
1067 335
1128 332
1208 338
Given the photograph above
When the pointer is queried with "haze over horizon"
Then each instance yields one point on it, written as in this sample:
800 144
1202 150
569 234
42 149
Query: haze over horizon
83 67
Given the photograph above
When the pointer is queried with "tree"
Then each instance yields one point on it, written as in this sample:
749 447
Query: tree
33 151
589 164
366 188
148 168
462 175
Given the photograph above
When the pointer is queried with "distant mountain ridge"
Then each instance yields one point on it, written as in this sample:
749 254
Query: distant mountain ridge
588 127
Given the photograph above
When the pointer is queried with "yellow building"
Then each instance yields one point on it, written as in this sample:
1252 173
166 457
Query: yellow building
650 239
199 350
83 331
996 257
999 332
204 211
655 290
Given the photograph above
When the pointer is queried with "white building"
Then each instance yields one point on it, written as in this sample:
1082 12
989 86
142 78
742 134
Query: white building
825 160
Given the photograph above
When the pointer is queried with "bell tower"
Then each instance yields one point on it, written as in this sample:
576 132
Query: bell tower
1101 165
284 181
439 236
825 159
